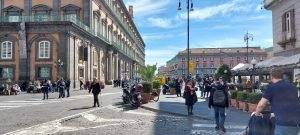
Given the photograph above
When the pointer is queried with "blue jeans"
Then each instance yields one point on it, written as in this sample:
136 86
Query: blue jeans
285 130
219 115
61 92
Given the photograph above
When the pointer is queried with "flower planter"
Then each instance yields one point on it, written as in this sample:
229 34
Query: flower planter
233 103
172 91
252 107
145 97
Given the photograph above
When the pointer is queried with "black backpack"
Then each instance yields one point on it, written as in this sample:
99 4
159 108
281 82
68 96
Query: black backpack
219 98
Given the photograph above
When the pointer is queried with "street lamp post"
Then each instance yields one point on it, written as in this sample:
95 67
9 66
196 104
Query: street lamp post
59 64
248 37
189 8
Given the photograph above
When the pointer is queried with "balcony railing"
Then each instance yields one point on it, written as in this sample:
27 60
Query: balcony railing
64 19
285 38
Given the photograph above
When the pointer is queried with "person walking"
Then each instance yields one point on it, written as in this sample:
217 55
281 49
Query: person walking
96 89
201 87
207 87
68 83
190 96
61 88
282 95
218 99
81 84
178 88
45 89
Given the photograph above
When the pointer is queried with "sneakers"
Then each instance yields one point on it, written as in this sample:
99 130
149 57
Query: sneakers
223 129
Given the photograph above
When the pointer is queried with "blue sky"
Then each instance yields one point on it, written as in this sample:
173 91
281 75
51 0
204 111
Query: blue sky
213 23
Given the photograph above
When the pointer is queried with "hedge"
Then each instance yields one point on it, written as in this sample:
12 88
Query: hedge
233 94
254 98
147 87
156 84
241 96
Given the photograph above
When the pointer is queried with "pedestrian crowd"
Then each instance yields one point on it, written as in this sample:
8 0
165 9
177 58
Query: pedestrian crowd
278 112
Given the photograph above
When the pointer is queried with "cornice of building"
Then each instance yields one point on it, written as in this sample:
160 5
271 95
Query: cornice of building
131 21
268 4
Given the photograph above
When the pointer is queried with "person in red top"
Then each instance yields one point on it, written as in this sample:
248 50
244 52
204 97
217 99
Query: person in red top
190 96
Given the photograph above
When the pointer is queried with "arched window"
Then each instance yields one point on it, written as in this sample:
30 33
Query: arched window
6 50
44 50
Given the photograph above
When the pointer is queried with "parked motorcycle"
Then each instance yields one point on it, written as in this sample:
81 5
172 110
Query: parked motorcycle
132 96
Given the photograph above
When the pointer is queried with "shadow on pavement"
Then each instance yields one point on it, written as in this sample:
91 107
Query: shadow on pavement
124 107
82 108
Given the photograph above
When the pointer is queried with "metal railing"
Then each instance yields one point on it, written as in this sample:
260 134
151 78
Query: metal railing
68 19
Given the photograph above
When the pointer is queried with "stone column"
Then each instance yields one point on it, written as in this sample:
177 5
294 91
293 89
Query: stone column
110 59
116 66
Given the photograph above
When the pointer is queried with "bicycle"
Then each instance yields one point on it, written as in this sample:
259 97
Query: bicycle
155 96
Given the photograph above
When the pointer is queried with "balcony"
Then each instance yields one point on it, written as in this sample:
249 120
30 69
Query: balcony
67 19
286 38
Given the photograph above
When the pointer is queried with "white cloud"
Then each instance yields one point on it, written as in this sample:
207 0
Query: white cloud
162 22
160 56
147 7
221 27
259 17
223 9
152 36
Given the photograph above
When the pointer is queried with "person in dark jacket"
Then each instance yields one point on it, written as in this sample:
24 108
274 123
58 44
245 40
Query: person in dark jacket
190 96
68 83
219 101
96 89
45 89
207 87
178 88
61 88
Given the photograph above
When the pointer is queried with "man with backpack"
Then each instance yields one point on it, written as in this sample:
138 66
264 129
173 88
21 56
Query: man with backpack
285 104
218 99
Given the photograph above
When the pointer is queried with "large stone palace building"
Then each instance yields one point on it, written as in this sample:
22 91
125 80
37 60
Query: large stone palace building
207 60
73 39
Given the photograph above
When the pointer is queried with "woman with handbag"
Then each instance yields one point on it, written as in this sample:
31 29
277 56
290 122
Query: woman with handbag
190 96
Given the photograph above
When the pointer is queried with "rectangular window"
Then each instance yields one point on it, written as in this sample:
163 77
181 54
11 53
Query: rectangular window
212 64
81 73
95 59
44 49
288 22
44 72
6 50
71 17
6 73
96 20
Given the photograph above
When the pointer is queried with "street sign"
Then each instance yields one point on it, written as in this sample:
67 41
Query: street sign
191 68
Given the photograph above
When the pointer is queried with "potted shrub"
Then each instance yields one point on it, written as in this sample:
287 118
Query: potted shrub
147 73
233 101
172 88
253 99
147 88
241 97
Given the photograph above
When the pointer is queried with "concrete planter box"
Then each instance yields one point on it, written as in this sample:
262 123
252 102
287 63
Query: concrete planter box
233 103
172 91
252 107
145 97
243 106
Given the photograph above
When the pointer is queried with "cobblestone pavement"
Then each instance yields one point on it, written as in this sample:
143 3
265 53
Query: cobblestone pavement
122 120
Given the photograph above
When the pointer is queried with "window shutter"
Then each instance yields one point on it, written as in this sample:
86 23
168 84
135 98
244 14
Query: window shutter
293 22
1 73
283 23
81 53
85 54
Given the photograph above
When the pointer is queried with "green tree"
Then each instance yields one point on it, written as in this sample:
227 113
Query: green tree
147 72
223 71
